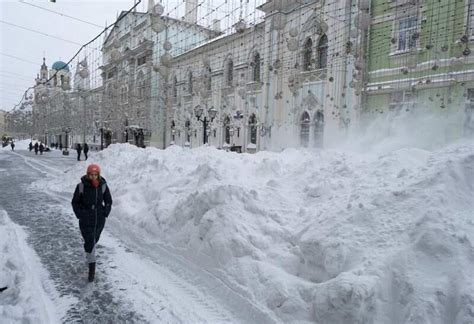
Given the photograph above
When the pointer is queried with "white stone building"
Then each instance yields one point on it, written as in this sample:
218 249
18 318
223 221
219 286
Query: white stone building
51 106
226 74
2 122
285 82
136 53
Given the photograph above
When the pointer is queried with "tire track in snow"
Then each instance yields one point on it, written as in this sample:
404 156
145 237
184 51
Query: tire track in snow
218 302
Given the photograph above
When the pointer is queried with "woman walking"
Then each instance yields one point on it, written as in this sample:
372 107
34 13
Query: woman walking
91 203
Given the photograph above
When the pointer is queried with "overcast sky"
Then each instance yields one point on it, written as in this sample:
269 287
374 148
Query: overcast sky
22 51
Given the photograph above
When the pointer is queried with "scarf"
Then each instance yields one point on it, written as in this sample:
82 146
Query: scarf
95 183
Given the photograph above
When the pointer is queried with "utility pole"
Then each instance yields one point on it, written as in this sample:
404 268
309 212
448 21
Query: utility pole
85 115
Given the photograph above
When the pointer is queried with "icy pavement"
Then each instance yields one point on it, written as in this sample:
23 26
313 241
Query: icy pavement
135 282
57 242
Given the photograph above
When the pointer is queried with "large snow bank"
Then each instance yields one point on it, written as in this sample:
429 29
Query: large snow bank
317 236
26 300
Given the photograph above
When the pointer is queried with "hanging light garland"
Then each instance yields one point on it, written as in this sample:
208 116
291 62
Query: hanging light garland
167 46
294 32
157 24
292 44
278 21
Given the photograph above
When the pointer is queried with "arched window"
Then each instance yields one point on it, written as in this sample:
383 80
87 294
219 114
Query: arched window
230 72
173 130
253 129
208 78
140 85
227 130
187 126
323 52
256 67
190 82
304 133
319 129
307 54
124 94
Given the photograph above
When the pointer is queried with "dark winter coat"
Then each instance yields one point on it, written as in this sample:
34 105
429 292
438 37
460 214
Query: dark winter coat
41 147
78 148
36 146
91 206
86 148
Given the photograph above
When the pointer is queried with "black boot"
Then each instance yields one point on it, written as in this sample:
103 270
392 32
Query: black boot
91 271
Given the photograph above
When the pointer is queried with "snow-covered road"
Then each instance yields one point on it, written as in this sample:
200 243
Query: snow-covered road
136 281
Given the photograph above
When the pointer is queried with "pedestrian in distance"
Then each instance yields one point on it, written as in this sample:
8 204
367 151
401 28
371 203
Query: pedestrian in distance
36 148
30 146
61 146
92 203
86 150
12 144
79 150
41 148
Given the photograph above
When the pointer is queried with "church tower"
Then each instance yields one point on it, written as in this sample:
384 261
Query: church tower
43 75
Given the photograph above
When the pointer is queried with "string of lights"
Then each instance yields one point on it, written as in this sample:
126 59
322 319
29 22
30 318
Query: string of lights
441 20
38 32
61 14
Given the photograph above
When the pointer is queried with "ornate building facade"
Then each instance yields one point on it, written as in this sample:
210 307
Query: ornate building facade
301 76
51 106
136 56
285 82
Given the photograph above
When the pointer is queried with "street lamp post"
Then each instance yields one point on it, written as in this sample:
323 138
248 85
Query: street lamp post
101 138
100 126
67 130
83 95
211 112
84 74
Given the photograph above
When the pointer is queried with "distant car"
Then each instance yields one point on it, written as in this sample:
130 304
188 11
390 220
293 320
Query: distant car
6 140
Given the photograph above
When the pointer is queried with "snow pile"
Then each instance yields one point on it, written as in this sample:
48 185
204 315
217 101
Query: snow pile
26 300
312 236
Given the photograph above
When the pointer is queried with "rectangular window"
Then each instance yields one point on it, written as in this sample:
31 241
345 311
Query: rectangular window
124 95
400 2
470 19
469 113
470 95
407 27
111 73
401 100
141 89
141 60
